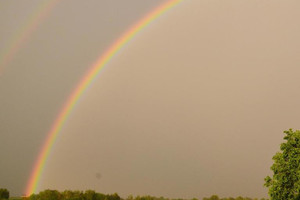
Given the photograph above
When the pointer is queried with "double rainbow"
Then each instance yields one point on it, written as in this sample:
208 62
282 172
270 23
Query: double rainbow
21 36
82 86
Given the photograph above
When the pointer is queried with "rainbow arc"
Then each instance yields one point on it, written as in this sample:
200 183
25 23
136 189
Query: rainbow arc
83 85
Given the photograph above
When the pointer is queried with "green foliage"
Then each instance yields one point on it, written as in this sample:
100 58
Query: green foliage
72 195
215 197
285 183
33 197
50 195
114 196
15 198
4 193
92 195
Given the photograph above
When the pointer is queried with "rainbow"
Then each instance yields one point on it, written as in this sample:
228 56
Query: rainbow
23 34
83 85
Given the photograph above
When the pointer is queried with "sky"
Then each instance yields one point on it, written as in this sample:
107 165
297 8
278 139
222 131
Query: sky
195 105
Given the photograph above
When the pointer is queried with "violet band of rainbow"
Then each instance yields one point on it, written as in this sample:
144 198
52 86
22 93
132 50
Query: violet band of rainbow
83 85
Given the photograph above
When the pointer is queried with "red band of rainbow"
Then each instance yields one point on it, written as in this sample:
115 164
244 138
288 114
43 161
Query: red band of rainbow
82 86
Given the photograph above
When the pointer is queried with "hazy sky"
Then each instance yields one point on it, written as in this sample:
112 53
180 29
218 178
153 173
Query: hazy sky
195 105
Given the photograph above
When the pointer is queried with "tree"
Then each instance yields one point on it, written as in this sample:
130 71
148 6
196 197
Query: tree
100 196
285 183
114 196
32 197
4 193
130 197
213 197
67 195
49 195
90 195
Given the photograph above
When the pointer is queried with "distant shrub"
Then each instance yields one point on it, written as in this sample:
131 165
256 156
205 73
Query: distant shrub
4 193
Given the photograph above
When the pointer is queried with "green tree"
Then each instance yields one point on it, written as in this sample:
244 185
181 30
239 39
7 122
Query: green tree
72 195
50 195
114 196
130 197
90 195
285 183
33 197
213 197
100 196
67 195
4 193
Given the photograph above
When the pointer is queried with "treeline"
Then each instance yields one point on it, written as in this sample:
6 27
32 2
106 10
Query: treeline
72 195
92 195
216 197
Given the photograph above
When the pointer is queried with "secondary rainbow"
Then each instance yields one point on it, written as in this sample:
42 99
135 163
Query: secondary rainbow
21 36
92 73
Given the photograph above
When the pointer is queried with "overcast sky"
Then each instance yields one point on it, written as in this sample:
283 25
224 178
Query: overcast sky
194 105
